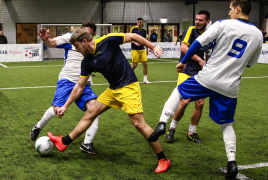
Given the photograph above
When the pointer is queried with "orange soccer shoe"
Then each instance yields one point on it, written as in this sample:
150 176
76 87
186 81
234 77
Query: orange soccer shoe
57 141
163 165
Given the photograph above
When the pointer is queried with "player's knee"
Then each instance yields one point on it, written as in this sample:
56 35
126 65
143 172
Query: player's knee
199 104
139 126
134 65
185 102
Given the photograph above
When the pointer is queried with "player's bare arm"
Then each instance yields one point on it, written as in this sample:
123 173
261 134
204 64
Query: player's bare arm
137 38
76 93
44 35
184 49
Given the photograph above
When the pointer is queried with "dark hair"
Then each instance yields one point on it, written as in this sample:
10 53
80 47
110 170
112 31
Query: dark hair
245 5
205 12
139 19
90 24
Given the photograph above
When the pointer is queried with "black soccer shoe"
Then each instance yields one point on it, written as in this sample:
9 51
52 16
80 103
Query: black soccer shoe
35 132
194 137
159 130
170 135
232 170
89 148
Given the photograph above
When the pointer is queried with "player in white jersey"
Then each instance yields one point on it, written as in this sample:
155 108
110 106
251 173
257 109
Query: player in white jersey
237 45
68 77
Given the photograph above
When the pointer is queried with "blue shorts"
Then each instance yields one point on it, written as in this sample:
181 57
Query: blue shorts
221 108
63 91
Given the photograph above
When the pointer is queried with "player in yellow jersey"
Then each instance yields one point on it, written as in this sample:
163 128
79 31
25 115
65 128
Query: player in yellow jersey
138 52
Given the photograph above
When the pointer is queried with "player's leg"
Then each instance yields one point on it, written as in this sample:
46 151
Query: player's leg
84 102
143 59
222 110
134 65
87 144
168 111
135 59
140 124
130 98
91 114
49 114
63 90
195 118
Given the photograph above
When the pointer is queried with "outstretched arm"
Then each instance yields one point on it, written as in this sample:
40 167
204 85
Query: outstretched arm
141 40
75 94
44 35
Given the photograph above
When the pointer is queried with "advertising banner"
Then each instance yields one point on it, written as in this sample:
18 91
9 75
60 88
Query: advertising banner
20 52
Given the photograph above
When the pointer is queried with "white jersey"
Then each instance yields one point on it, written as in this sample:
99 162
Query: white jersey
237 44
72 66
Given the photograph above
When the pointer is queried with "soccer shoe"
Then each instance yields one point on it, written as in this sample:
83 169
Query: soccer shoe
89 148
35 132
194 137
159 130
170 135
146 82
232 170
57 141
163 165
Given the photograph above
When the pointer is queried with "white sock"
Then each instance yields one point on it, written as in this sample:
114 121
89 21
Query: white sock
229 140
91 131
173 124
145 78
170 106
192 129
49 114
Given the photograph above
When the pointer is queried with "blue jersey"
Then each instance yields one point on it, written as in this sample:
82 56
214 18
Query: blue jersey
108 59
140 31
189 36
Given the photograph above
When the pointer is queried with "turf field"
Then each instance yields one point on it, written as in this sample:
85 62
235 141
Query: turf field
27 89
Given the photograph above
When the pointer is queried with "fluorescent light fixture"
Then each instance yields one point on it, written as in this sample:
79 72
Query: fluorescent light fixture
163 20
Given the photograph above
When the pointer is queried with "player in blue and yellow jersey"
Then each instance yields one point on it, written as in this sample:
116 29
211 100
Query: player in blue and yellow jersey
194 65
105 56
138 51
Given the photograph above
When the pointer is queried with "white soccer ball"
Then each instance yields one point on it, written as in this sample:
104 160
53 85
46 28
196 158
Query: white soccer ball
44 145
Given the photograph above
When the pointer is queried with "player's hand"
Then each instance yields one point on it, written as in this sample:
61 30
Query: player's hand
158 51
137 44
43 34
61 111
202 63
180 67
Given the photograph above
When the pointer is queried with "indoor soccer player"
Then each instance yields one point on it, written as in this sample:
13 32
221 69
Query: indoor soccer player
138 52
68 77
194 65
105 56
237 45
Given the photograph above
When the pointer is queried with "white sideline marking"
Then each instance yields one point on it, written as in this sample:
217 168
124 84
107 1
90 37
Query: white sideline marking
153 82
34 66
242 176
3 65
164 60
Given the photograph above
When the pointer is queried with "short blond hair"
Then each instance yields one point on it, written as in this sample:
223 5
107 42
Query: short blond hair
79 34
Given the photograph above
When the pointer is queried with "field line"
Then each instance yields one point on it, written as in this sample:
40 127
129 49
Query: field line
240 167
3 65
152 82
34 66
163 60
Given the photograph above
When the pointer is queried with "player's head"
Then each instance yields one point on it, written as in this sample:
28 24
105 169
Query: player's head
90 26
154 30
239 8
1 33
80 39
139 22
202 19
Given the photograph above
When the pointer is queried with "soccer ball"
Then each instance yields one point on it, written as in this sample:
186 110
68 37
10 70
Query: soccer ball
43 145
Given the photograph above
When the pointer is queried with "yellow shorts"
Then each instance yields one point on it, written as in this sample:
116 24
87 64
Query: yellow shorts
138 56
128 96
182 77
